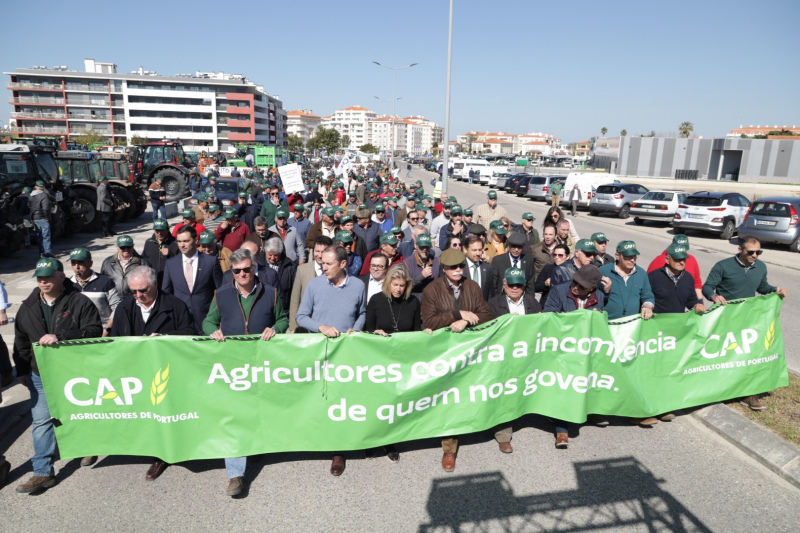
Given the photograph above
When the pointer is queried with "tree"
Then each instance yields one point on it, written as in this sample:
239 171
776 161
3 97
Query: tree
325 139
121 141
686 128
137 140
295 143
604 130
345 141
470 139
368 148
783 131
623 133
90 138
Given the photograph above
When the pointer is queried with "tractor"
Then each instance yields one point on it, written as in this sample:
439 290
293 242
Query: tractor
165 159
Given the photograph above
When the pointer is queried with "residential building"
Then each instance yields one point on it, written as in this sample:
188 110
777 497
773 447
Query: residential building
353 122
206 110
303 123
751 130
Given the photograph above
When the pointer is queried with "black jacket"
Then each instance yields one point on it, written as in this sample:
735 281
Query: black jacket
169 316
286 272
152 253
74 317
498 305
487 279
502 262
669 297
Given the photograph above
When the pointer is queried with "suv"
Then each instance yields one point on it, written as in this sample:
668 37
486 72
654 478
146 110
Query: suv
513 181
714 212
774 219
539 186
522 185
615 198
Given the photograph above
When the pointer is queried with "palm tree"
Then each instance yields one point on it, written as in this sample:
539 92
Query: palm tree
623 133
686 128
604 130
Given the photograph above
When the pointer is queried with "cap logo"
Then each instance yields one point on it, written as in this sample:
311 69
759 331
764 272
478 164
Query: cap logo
627 246
42 264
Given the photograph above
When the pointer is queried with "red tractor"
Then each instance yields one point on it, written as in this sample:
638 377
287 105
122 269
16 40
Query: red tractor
164 159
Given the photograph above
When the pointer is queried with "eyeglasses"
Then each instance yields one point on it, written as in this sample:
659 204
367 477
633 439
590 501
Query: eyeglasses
377 267
589 254
126 247
753 252
240 270
559 255
413 219
516 286
274 194
140 291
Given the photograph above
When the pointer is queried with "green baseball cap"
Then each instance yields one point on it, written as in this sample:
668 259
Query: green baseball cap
188 213
352 193
328 211
26 189
213 208
528 216
453 200
627 248
388 238
492 195
599 237
102 179
681 239
677 251
423 239
80 254
281 213
124 240
230 212
515 276
242 194
345 219
160 223
456 210
586 245
207 238
411 186
338 209
299 207
343 236
202 197
47 266
379 208
396 229
362 206
447 205
467 212
40 183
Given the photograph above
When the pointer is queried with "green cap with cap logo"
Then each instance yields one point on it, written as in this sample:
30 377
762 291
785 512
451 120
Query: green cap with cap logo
343 236
456 210
39 183
80 254
124 241
388 238
627 248
380 208
161 224
677 251
281 213
681 239
328 211
467 212
515 276
528 216
586 245
453 200
492 195
423 239
242 194
599 237
213 208
345 219
447 205
47 266
207 238
188 213
396 229
230 212
299 207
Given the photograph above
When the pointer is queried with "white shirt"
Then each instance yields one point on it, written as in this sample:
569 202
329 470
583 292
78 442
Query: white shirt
474 277
146 310
516 308
373 287
195 259
317 269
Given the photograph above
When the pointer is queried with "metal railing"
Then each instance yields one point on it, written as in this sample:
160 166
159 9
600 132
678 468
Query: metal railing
83 116
93 88
42 101
19 114
45 86
39 129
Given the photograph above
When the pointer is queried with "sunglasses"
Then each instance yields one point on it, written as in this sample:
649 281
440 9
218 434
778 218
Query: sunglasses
455 244
454 267
753 252
414 219
559 255
516 286
274 194
140 291
239 270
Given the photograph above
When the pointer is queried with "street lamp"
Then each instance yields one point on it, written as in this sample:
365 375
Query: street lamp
394 103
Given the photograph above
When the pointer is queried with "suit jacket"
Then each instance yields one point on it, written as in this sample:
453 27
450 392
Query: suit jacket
487 279
207 279
502 262
499 304
304 274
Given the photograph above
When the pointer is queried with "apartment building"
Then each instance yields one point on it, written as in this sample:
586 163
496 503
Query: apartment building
353 122
303 123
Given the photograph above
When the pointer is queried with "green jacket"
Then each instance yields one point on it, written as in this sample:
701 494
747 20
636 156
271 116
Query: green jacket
268 210
556 189
730 279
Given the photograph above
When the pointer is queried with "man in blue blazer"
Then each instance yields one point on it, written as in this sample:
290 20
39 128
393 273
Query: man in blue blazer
191 276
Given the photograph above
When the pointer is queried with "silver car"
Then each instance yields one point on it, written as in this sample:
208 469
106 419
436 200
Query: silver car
500 181
539 186
659 206
774 219
615 198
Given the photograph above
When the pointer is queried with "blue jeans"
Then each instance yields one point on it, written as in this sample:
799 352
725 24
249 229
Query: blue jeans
235 466
43 236
561 425
44 436
162 209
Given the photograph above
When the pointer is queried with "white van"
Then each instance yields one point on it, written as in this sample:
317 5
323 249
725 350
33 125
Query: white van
467 165
587 183
490 173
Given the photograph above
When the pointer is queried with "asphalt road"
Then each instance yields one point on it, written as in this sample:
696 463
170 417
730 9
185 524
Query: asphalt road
677 476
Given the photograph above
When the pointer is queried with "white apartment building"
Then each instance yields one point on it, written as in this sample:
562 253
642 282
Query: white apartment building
503 142
303 123
353 122
415 134
206 110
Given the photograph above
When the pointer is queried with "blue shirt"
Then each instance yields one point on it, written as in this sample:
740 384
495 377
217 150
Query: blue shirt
323 304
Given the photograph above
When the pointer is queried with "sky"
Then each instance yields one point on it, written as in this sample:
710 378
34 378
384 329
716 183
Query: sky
519 66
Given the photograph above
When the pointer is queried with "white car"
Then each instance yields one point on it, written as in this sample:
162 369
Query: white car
659 206
713 212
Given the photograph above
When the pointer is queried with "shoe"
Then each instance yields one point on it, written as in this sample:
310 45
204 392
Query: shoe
371 453
669 417
156 469
391 453
89 460
6 380
36 483
5 467
449 462
235 486
505 447
644 422
337 465
562 441
598 420
753 403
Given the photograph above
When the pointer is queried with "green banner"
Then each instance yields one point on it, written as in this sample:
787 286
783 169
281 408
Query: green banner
180 398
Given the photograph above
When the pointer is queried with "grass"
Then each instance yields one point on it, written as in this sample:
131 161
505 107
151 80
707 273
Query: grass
782 415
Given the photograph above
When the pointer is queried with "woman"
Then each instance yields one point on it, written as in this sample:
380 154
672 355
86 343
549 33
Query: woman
495 240
453 241
554 216
542 284
390 311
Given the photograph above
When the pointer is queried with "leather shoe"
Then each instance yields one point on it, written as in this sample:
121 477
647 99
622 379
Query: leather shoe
155 470
235 486
667 417
392 454
644 422
562 441
505 447
89 460
598 420
5 467
753 403
36 483
449 462
337 465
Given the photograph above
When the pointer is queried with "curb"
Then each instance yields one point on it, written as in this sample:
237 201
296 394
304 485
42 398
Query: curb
759 443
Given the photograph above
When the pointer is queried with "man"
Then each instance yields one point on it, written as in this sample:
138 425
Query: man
159 247
247 212
455 302
439 222
487 213
741 276
192 277
326 227
332 305
526 228
345 239
575 196
118 265
299 222
373 281
471 175
476 269
260 236
232 233
388 247
293 244
105 206
98 288
563 235
359 246
148 313
189 221
41 319
585 253
366 229
352 203
513 297
372 200
158 197
407 238
361 191
207 244
601 244
391 208
265 274
583 292
408 211
214 219
673 285
39 205
454 227
542 252
514 258
306 273
691 264
380 218
269 208
422 266
244 307
556 189
275 253
201 209
629 289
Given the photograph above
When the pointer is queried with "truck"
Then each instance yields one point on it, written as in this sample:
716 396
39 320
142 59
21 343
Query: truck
264 156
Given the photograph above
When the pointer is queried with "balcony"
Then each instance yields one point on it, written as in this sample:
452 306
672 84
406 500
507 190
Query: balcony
93 88
45 116
37 101
83 116
36 86
58 130
222 135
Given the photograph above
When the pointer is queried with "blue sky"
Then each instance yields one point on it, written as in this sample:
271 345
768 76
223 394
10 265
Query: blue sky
566 68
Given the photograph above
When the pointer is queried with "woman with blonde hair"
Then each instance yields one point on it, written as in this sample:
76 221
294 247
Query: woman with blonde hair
393 309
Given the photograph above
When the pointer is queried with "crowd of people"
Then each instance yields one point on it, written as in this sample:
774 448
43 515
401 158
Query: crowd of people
364 252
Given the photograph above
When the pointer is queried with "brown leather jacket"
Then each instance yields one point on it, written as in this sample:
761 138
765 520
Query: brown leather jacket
440 309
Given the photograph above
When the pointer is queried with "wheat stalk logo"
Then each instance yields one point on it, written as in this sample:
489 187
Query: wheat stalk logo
158 390
770 338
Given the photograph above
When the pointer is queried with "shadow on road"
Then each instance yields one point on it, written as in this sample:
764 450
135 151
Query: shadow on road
612 494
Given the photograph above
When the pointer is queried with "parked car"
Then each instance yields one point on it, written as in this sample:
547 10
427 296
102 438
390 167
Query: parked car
227 193
774 219
659 206
539 186
548 195
498 180
713 212
615 198
522 185
587 183
513 181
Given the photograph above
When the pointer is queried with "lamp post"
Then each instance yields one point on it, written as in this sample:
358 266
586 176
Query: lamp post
394 102
388 102
445 162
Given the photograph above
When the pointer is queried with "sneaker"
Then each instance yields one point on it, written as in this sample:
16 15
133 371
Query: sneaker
753 403
89 460
235 486
562 441
36 483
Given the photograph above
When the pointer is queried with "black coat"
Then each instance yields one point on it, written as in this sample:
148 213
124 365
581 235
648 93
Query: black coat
502 262
498 305
407 314
669 297
152 253
487 279
169 316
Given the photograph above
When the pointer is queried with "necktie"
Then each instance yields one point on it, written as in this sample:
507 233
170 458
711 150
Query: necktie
516 263
188 274
475 272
